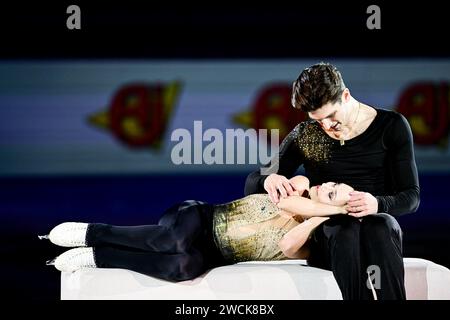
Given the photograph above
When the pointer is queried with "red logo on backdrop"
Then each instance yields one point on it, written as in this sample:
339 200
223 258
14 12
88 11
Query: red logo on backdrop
426 106
272 109
138 113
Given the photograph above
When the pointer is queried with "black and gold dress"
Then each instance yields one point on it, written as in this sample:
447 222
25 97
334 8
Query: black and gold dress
192 237
250 229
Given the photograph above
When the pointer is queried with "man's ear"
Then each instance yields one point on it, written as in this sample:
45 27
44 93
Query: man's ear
345 95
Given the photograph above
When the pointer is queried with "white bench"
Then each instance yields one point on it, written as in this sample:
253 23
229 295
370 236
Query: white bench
274 280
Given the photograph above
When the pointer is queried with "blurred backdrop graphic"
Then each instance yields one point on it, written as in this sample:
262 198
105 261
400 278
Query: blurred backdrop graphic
92 141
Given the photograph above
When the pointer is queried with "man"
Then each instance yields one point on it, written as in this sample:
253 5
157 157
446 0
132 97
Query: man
367 148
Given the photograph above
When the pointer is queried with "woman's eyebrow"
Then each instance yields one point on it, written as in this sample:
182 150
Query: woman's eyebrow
335 191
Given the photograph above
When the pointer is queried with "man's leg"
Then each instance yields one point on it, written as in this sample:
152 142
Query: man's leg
335 246
381 241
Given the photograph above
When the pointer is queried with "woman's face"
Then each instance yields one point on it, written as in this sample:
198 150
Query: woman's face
336 194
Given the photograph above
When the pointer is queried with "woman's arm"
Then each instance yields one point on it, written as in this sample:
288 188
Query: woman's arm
294 240
307 207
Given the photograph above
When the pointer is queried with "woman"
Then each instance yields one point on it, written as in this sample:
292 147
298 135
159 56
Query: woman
193 237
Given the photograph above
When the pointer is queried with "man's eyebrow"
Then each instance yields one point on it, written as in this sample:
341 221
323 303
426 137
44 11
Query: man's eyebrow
328 116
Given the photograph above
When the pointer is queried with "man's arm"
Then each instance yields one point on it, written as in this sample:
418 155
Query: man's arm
405 196
285 163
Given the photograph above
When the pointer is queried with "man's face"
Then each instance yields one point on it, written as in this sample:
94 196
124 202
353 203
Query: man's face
329 116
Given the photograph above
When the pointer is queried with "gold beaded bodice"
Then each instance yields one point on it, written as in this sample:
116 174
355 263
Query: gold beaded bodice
313 142
250 229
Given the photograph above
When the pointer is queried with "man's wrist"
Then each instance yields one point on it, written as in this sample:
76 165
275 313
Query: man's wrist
380 206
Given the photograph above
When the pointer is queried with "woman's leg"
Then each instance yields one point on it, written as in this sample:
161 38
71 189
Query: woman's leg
179 226
172 267
381 241
335 246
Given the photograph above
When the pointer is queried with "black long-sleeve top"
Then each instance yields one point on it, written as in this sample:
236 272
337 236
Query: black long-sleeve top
379 161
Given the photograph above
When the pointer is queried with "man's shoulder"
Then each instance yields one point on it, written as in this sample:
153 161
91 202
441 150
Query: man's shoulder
300 127
395 123
388 118
389 113
304 124
303 128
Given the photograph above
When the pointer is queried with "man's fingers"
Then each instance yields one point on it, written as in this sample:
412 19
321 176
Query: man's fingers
282 190
271 197
356 203
288 187
273 194
269 193
362 209
295 191
359 214
356 197
356 208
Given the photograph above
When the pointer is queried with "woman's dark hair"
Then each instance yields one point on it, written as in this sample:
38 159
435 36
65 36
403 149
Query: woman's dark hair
317 85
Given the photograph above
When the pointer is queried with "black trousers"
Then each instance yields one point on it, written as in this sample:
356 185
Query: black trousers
351 248
180 247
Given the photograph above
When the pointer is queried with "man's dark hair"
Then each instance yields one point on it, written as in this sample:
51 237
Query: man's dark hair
317 85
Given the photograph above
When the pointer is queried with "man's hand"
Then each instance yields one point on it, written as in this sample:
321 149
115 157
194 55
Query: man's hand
361 204
275 183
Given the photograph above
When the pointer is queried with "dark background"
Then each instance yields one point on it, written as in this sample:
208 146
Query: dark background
31 205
